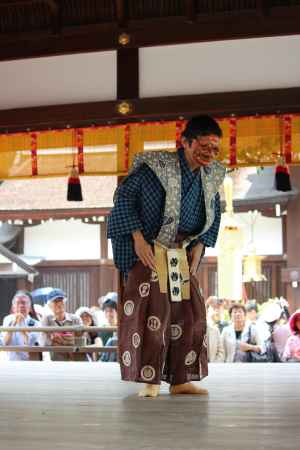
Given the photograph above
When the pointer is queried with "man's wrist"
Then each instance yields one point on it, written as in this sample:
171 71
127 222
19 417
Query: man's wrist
137 235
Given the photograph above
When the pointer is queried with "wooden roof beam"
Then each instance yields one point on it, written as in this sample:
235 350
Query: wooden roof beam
263 8
190 10
121 12
281 21
240 103
55 14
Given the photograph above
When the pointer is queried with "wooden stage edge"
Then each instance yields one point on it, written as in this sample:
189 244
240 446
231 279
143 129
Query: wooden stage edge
84 406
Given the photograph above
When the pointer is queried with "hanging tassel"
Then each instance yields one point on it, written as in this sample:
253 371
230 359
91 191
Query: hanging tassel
282 176
74 186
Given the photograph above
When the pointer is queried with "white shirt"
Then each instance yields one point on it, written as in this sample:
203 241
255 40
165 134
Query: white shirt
18 338
229 340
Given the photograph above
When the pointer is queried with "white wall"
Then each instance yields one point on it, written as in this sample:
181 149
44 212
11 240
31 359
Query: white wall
84 77
267 235
59 240
237 65
221 66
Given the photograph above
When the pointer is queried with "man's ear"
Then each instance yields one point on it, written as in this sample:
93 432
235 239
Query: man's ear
184 142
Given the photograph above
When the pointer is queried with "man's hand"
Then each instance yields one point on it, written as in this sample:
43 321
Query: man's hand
56 339
256 348
143 250
19 318
196 253
245 347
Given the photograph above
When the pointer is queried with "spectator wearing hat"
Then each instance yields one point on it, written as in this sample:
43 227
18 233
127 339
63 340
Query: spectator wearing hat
292 348
93 339
111 316
21 317
60 318
279 331
110 338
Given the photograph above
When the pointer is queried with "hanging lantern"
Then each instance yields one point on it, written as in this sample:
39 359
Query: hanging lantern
230 251
252 262
252 268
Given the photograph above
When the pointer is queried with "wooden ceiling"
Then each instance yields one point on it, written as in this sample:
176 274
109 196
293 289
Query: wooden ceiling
33 28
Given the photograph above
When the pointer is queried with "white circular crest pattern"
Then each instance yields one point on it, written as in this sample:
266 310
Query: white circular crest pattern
136 340
144 289
126 358
205 341
148 373
153 323
176 332
190 358
128 307
154 276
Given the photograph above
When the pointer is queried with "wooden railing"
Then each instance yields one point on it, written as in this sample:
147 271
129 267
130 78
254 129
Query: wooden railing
79 329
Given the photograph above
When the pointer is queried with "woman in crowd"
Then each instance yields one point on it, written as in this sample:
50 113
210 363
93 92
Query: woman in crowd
92 338
274 317
292 347
240 337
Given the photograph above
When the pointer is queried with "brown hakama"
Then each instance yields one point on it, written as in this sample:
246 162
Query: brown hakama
160 340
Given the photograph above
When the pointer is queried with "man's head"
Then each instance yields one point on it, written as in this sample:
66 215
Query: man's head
110 311
252 311
201 140
21 303
56 302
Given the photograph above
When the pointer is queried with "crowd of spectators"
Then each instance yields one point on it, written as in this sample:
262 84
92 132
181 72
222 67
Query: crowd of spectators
236 332
24 313
250 332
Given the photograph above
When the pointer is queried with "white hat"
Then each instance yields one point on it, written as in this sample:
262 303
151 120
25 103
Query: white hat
271 312
85 310
111 296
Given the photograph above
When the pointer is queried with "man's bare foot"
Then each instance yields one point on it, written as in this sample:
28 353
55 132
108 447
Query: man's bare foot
150 390
187 388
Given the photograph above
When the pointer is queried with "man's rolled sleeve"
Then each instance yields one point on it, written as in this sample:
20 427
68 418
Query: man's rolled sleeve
124 218
209 238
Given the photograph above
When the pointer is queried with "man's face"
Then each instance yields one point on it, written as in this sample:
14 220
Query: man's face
111 315
252 315
203 150
58 307
22 305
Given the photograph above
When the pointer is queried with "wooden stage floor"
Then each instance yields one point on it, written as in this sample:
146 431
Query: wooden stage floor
82 406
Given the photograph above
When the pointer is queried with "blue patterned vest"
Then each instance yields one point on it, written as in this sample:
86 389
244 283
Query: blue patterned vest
166 166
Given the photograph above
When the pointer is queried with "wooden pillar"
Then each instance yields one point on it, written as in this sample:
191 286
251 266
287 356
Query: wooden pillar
22 284
293 237
103 240
127 73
